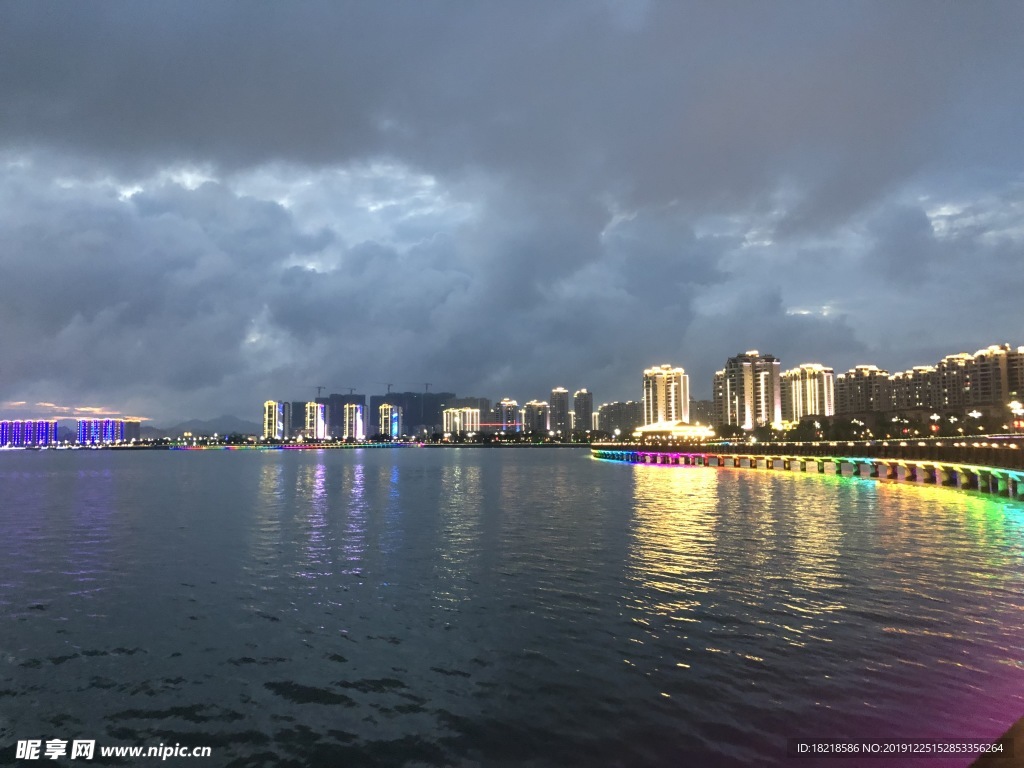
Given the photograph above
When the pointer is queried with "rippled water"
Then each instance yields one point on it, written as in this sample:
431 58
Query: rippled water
496 607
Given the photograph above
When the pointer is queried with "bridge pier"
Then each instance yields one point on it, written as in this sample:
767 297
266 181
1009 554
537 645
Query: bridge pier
970 480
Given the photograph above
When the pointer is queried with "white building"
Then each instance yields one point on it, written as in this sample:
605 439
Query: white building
461 420
390 420
666 395
808 390
316 421
355 428
748 392
277 420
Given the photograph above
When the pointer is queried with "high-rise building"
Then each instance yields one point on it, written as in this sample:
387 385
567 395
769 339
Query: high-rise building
536 417
390 420
862 390
748 392
625 417
506 416
583 407
996 375
298 418
913 390
100 431
28 433
132 430
808 390
558 413
354 428
951 388
336 410
666 395
277 420
461 420
702 412
420 410
316 421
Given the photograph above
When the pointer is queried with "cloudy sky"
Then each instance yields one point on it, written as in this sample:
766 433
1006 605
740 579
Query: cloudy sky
203 205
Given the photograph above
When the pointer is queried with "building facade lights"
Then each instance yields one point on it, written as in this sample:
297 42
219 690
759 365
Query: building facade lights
277 420
666 395
316 421
461 420
354 424
28 433
808 390
390 420
748 392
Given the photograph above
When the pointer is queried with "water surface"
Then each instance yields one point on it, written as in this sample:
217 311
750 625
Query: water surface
496 607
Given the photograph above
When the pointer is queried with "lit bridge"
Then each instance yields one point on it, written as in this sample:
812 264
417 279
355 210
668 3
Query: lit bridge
995 466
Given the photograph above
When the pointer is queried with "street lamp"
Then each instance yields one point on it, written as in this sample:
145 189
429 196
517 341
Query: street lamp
1018 412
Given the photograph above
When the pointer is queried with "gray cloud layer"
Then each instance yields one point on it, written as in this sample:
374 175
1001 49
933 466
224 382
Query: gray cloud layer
205 205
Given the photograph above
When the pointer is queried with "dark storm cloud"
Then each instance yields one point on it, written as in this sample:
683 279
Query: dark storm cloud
208 204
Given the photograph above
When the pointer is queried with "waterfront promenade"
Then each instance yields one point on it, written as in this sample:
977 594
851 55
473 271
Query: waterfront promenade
993 466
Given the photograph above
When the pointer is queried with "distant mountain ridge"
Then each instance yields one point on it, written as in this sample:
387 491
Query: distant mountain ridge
222 425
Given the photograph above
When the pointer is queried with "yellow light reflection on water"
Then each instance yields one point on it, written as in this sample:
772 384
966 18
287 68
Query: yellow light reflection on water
754 538
673 548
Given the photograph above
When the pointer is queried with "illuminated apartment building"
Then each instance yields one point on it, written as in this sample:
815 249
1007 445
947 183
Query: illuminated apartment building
808 390
914 389
506 416
100 431
861 390
354 425
622 416
461 420
28 433
536 417
390 420
666 395
995 375
558 412
583 408
277 420
316 421
950 385
748 392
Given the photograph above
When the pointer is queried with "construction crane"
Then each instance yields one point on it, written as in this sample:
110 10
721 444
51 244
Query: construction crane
320 389
387 384
426 386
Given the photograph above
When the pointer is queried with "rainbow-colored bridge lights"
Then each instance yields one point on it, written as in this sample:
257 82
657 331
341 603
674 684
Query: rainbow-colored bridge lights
995 468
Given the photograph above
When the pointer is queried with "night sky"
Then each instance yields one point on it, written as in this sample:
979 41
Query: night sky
206 205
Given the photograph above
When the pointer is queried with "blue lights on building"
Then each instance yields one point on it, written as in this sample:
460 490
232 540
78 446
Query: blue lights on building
28 433
100 431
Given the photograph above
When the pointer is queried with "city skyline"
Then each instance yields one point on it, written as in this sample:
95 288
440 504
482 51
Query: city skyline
751 392
496 204
904 386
